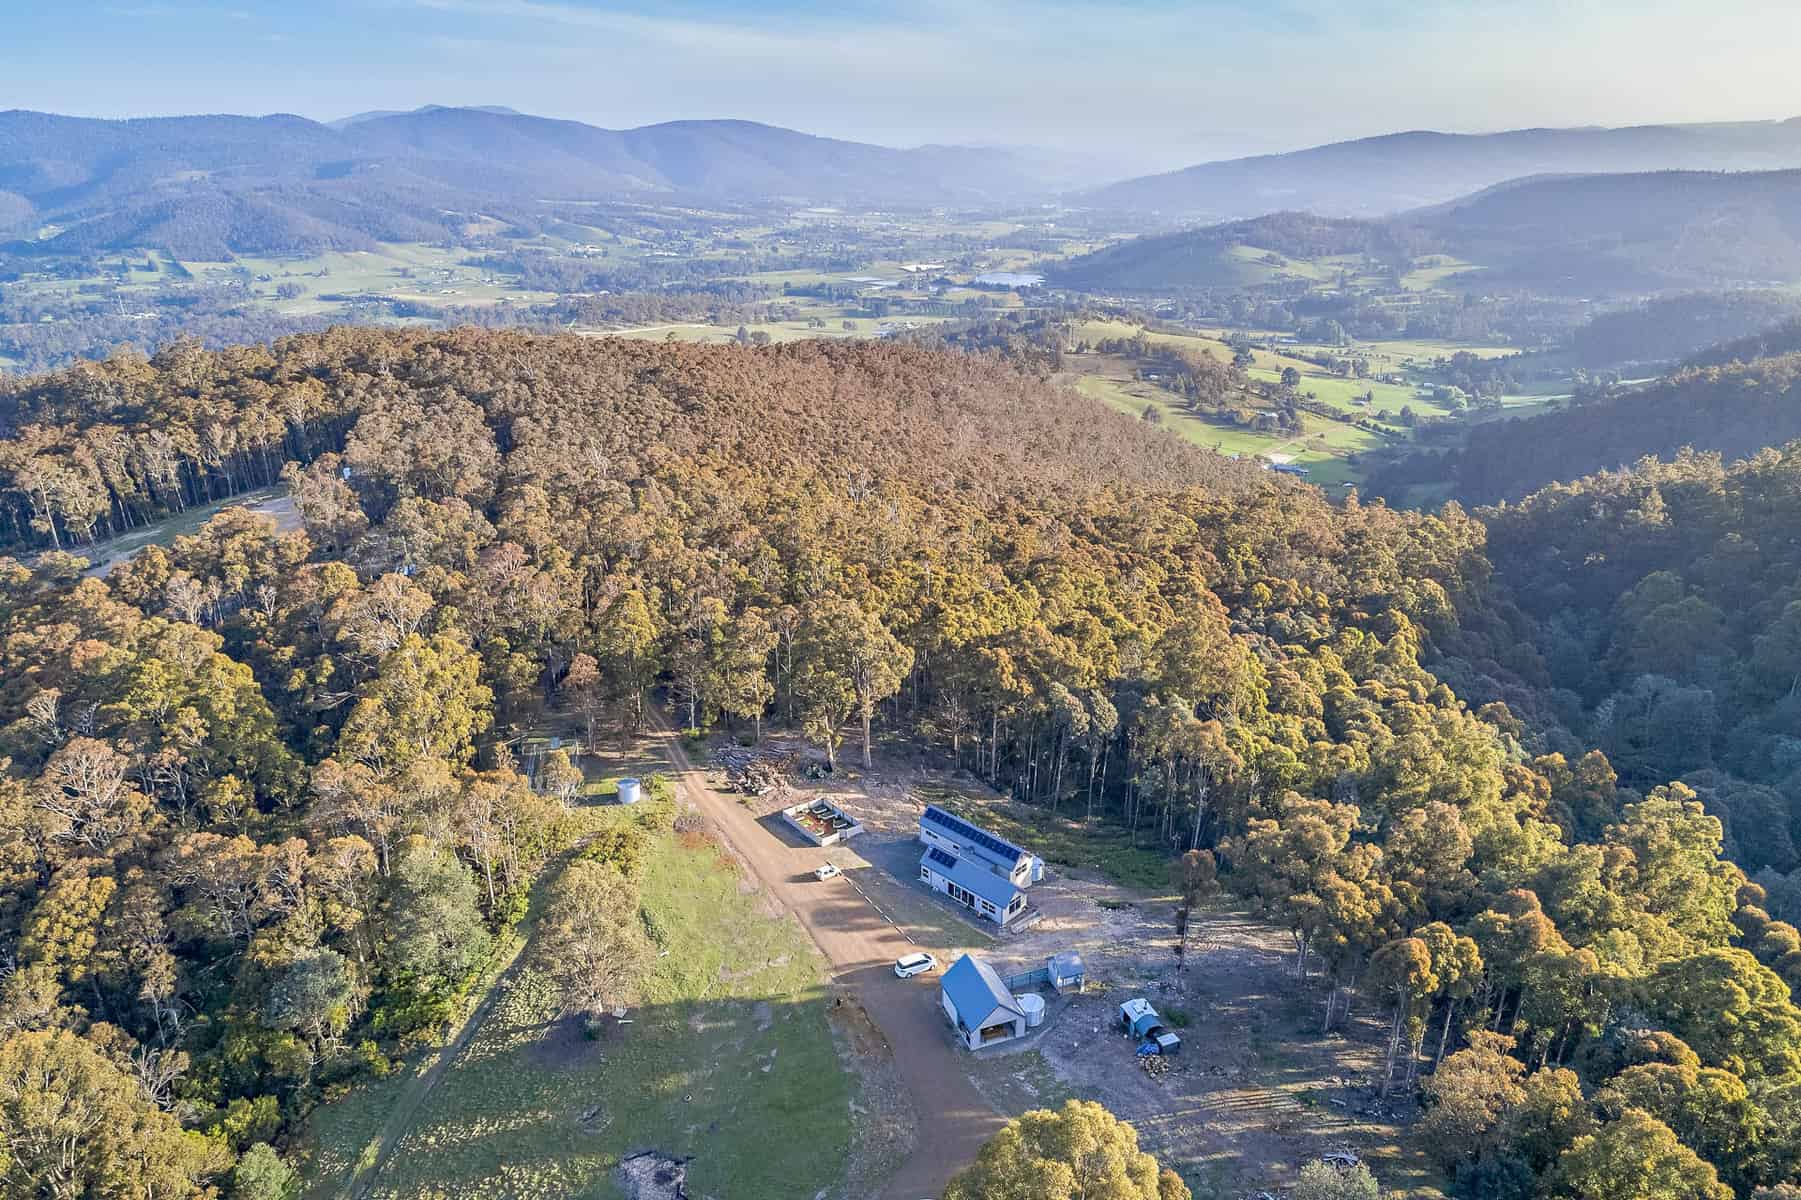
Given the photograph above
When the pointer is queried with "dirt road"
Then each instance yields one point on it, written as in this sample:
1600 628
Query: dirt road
862 944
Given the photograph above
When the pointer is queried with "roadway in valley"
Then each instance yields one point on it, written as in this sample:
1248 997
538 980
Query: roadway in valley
862 944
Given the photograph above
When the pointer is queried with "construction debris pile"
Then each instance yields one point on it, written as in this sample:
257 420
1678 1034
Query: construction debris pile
755 770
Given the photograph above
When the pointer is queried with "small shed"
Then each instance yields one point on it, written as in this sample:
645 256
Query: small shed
1140 1020
1066 972
978 1005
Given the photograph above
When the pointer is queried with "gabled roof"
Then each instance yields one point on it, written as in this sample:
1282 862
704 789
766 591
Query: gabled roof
970 876
1066 965
973 838
975 991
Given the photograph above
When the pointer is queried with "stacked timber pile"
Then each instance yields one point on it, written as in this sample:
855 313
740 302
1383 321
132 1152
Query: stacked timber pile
754 770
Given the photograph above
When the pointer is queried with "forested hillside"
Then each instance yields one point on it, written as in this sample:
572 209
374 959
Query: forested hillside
1665 607
258 829
1734 408
1210 257
208 187
1376 176
1583 235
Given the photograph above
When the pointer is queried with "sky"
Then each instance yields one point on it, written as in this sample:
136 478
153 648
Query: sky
1152 84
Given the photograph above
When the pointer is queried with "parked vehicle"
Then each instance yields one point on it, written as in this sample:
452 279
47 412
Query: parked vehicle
914 964
825 871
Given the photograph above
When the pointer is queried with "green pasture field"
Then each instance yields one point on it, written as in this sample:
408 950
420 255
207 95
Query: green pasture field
728 1059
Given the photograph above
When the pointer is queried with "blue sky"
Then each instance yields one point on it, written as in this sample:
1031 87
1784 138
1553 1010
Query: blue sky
1163 82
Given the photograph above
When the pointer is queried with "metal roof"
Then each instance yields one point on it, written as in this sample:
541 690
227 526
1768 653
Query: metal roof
1066 964
1137 1009
971 877
975 991
973 837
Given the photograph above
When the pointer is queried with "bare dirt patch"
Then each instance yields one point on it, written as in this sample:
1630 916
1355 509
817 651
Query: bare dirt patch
884 1127
1258 1090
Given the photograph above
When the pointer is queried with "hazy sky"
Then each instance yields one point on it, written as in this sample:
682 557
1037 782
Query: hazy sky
1167 82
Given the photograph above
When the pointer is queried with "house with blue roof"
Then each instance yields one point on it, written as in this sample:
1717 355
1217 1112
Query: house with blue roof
971 843
978 1005
972 884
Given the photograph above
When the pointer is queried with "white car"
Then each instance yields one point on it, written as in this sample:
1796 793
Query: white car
826 871
913 964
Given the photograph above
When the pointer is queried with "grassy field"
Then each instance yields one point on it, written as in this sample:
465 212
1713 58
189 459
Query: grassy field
1323 448
729 1060
1330 450
778 331
401 271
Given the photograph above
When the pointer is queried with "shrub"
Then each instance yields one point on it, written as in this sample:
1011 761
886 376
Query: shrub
1321 1182
247 1121
261 1175
618 846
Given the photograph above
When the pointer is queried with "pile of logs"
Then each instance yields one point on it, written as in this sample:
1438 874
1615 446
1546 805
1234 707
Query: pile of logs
754 771
1155 1065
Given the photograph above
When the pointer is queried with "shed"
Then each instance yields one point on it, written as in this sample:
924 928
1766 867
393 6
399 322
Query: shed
1140 1020
978 1004
1066 972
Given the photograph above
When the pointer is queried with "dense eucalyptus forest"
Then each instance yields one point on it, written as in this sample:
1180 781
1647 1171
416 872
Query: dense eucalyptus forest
259 826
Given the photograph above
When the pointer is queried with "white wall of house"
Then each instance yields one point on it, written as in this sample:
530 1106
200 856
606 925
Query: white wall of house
974 903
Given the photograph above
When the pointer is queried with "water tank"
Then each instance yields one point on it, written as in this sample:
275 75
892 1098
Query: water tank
1033 1007
1037 869
628 790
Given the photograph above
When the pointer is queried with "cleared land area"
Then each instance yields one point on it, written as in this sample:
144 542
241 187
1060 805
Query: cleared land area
1258 1091
730 1065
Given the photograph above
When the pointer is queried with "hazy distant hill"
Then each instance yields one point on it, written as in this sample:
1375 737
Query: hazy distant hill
1381 175
284 183
1581 235
1234 254
1614 233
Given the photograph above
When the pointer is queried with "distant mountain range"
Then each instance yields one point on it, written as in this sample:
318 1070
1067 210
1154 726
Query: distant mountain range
205 185
1574 235
1378 176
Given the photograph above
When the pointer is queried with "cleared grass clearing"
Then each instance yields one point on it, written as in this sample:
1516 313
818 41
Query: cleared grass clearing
729 1059
1433 271
411 271
270 501
1323 449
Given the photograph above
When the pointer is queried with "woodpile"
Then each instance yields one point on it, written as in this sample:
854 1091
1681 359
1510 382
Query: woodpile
1155 1065
754 770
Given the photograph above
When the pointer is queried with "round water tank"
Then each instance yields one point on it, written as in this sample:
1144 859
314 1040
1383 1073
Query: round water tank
1033 1007
628 790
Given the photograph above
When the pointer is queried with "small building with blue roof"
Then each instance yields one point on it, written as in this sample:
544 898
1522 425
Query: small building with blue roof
978 1005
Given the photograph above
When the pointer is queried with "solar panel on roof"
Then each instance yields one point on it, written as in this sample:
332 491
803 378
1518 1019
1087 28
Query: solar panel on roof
940 857
977 836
